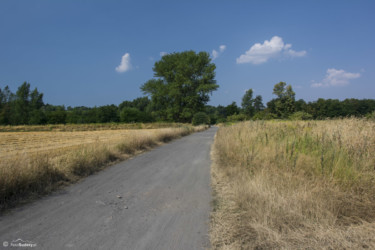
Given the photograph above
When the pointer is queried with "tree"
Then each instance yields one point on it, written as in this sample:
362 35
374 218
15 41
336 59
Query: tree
184 82
55 114
6 101
108 113
231 109
248 103
200 118
258 103
22 104
141 103
36 103
284 104
129 115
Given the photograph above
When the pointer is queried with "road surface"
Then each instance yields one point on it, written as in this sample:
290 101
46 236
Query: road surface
157 200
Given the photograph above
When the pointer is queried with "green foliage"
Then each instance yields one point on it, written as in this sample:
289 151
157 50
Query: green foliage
231 109
55 114
22 104
6 100
237 118
258 103
371 116
264 115
200 118
300 115
140 103
248 103
129 115
284 104
182 88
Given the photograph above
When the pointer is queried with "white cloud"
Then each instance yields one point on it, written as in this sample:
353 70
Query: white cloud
261 53
294 53
163 53
336 77
215 53
125 64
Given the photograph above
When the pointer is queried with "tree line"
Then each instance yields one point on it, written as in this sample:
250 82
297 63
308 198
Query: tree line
285 106
179 92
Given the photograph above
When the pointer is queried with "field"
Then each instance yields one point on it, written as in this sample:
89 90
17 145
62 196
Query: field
294 185
34 163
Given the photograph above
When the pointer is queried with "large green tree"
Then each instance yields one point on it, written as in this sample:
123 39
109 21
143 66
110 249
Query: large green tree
182 86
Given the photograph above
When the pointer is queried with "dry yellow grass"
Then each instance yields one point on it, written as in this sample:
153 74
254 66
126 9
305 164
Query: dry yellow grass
294 185
33 163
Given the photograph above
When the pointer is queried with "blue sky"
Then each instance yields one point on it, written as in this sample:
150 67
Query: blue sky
87 53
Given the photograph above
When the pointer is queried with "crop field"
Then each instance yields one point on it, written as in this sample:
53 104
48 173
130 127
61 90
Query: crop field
294 185
34 163
16 143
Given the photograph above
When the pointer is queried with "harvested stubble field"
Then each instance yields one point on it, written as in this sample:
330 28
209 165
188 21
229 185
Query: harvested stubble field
34 163
294 185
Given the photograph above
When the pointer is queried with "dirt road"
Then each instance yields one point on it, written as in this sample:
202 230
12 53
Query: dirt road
158 200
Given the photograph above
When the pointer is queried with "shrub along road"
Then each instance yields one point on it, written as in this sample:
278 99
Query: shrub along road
158 200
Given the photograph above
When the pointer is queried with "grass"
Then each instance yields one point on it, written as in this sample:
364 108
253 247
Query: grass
35 163
294 184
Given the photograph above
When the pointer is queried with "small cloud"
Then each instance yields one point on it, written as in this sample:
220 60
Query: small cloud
215 54
125 64
335 78
261 53
294 53
163 53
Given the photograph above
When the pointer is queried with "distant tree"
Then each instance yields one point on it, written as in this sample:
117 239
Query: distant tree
232 109
184 82
200 118
37 116
22 104
221 113
300 105
108 113
258 103
130 115
284 104
141 103
55 114
212 113
248 103
6 103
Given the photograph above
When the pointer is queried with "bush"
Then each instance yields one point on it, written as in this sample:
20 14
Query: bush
300 115
371 116
264 115
200 118
237 118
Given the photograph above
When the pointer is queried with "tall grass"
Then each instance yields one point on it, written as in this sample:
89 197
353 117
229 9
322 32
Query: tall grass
294 184
28 174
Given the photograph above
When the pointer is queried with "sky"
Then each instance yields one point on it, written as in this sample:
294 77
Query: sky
94 53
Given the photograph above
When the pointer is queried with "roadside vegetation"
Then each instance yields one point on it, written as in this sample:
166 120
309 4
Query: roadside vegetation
35 163
294 185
